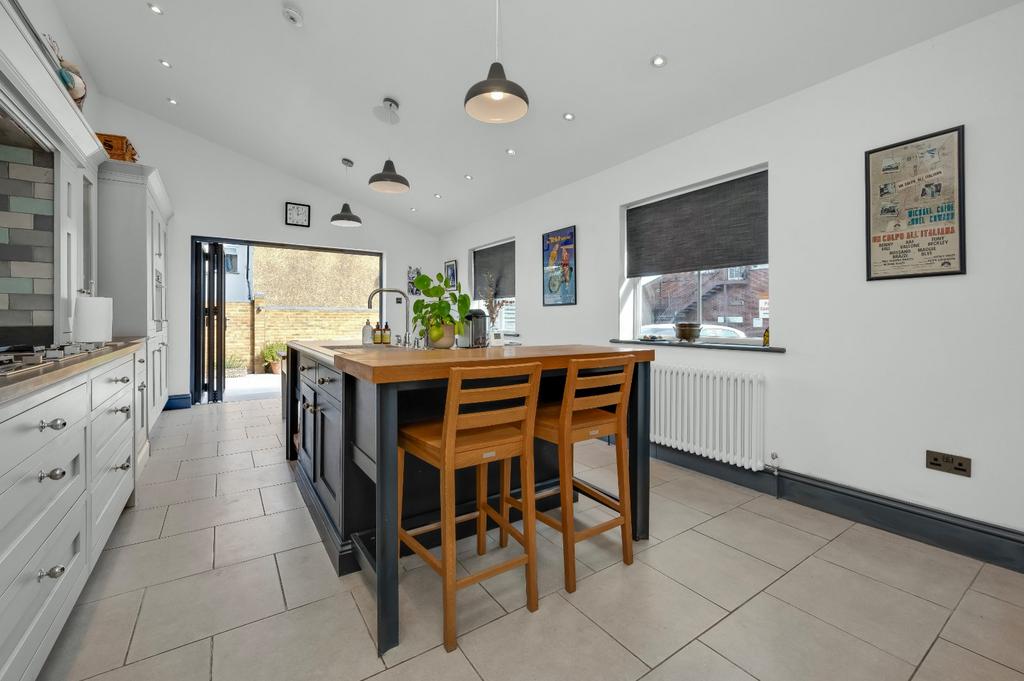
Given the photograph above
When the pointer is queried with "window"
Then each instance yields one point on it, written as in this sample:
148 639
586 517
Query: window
702 257
231 263
494 281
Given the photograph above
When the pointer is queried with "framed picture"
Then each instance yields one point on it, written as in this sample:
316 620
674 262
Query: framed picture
296 214
410 276
915 207
558 254
451 272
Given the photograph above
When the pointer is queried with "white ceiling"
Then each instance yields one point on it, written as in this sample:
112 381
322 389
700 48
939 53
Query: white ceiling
301 98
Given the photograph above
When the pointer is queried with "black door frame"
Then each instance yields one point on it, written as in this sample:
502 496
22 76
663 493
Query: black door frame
198 281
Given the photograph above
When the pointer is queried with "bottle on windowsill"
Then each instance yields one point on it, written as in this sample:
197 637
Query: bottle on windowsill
367 333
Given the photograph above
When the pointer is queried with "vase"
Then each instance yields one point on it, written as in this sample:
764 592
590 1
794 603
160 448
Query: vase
445 341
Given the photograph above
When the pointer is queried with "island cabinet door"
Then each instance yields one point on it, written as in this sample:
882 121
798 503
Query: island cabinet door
307 428
327 456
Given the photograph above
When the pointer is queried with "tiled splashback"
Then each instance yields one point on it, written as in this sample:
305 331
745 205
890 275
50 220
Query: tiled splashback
26 245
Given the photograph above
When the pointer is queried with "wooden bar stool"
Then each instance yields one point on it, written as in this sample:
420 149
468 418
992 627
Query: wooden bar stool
497 426
594 405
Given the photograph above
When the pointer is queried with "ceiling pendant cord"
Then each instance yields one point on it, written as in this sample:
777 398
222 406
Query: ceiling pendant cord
497 30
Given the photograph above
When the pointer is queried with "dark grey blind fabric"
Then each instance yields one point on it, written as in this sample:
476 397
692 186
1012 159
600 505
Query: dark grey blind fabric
724 225
499 261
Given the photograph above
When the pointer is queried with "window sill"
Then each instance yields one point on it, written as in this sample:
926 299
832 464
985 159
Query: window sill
701 346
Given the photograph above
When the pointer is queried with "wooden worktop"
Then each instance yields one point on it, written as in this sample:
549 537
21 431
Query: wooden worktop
394 365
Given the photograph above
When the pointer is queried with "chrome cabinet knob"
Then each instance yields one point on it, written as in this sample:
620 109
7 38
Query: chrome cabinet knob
122 410
304 368
56 572
142 360
123 379
123 467
55 474
142 386
55 424
323 380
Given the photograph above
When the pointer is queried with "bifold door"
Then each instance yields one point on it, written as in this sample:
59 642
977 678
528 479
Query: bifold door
208 323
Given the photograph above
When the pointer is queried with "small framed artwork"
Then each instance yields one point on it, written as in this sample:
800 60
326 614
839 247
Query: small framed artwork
296 214
915 207
411 275
558 255
451 273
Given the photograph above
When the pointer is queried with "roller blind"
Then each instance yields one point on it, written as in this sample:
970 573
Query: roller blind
724 225
500 261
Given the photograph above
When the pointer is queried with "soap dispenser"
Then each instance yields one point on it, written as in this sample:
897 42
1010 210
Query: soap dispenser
367 333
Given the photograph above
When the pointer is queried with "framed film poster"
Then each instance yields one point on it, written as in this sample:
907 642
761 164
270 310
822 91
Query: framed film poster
558 262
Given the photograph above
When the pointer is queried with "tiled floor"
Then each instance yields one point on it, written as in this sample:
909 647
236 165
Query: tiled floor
218 574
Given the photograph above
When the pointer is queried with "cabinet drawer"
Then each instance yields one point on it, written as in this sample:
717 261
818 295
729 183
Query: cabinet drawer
28 431
30 506
111 381
329 381
307 368
31 602
114 413
99 458
113 484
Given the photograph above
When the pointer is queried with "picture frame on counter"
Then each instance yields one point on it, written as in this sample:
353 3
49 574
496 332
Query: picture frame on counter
914 203
558 263
297 214
451 272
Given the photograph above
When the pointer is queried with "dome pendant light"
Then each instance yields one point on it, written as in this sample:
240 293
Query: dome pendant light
497 99
388 181
345 217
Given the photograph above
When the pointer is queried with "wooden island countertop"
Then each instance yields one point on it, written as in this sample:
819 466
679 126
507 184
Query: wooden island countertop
389 364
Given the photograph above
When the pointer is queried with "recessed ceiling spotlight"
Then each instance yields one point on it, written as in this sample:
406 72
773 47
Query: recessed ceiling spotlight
510 151
569 116
658 60
164 63
469 177
437 196
412 210
292 15
171 100
155 9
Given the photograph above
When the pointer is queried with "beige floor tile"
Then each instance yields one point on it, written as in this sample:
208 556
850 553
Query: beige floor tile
509 588
594 454
185 453
704 493
803 518
94 639
188 663
720 573
196 515
199 606
307 575
774 641
248 444
599 551
264 476
990 627
781 545
271 413
666 470
556 642
165 493
931 573
132 567
607 479
464 548
697 662
281 498
669 518
419 606
266 457
897 622
137 526
159 470
322 641
214 465
648 613
221 435
263 536
433 664
167 441
253 432
948 662
1006 585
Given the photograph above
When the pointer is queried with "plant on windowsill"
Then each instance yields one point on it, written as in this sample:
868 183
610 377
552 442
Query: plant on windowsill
432 315
272 357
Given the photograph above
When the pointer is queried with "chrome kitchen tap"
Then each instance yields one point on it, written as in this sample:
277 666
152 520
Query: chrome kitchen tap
369 305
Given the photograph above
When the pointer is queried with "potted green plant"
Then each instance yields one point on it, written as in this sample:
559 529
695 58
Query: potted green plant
432 315
272 356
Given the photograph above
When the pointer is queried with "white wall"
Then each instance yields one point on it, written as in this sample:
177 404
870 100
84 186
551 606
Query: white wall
875 372
219 193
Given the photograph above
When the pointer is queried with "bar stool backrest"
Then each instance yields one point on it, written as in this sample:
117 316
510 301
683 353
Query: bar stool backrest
598 383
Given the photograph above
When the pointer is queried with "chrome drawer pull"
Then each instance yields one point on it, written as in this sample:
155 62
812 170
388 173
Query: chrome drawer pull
123 467
302 368
323 380
55 474
56 424
142 361
122 410
123 379
56 572
142 386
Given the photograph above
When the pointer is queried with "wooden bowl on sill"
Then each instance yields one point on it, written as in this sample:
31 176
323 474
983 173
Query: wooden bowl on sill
687 331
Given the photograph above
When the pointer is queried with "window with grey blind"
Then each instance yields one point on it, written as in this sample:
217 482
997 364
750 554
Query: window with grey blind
498 261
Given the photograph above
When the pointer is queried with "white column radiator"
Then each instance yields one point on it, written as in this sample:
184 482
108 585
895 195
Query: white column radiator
716 414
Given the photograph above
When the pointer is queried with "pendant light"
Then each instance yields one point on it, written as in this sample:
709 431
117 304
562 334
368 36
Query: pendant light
345 217
497 99
388 181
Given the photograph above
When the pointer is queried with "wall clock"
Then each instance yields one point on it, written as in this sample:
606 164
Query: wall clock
296 214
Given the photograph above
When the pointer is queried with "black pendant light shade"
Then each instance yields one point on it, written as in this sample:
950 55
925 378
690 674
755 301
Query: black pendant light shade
497 99
345 218
388 181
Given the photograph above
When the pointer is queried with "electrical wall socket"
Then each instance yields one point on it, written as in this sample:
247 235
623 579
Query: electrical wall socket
948 463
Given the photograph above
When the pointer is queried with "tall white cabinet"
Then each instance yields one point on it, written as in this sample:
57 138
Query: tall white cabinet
134 211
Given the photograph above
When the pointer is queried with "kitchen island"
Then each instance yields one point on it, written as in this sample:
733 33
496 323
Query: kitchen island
345 405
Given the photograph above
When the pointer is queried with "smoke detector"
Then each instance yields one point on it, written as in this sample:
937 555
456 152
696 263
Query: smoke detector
292 15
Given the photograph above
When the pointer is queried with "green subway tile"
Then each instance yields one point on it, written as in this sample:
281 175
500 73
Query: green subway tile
4 235
12 285
15 154
21 204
